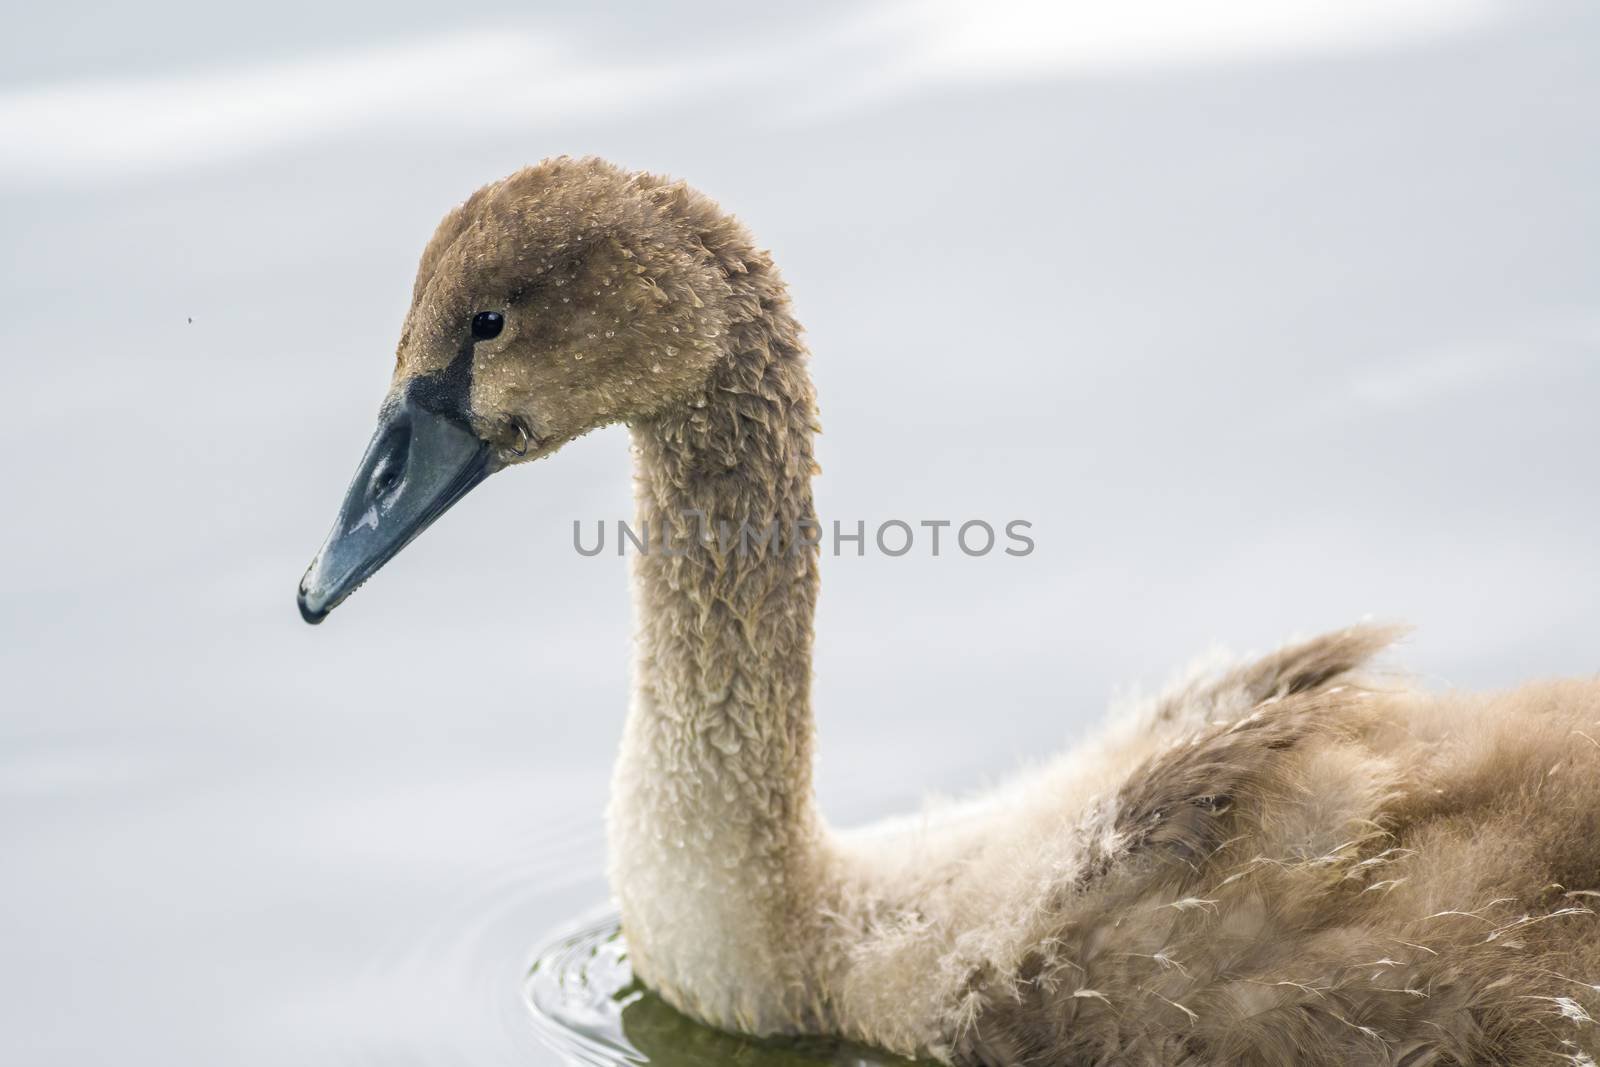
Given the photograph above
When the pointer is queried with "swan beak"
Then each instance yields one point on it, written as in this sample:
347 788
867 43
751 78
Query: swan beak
419 463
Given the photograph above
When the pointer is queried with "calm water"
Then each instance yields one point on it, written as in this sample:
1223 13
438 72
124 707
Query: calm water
587 1006
1261 344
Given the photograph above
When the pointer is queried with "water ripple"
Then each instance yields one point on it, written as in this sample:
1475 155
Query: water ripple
590 1011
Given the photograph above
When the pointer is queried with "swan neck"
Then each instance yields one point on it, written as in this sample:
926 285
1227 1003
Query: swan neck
713 827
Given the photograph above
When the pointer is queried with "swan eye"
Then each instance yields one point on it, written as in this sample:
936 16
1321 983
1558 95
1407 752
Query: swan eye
487 324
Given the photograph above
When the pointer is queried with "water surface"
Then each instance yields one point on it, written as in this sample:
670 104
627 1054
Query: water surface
587 1005
1261 345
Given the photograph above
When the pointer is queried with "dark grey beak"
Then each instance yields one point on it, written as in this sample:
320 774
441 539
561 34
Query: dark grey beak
419 463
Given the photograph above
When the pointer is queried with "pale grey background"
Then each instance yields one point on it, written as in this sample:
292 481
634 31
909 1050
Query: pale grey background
1268 316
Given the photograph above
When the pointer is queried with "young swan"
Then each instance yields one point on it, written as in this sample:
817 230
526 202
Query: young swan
1276 864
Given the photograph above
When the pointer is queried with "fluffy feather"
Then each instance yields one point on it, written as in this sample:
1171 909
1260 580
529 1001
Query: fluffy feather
1285 862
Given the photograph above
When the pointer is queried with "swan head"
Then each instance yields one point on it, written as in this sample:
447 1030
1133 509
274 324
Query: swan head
566 297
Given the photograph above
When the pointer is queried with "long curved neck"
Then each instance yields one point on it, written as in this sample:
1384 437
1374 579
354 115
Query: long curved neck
714 835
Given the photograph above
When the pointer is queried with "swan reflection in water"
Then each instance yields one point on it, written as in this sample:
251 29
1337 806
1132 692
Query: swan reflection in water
590 1009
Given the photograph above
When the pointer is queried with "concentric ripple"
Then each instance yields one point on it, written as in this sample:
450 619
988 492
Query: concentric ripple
587 1007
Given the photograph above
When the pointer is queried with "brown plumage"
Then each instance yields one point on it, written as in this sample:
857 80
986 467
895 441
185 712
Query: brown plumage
1289 862
1341 874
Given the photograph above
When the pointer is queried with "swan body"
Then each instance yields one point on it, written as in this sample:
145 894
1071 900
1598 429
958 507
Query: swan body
1292 860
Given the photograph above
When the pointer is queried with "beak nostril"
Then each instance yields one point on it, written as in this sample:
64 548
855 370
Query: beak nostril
382 481
417 465
390 469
